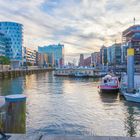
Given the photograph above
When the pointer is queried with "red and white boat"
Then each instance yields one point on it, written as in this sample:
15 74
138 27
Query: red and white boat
109 84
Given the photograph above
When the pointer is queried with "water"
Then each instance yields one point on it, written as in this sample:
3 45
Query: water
71 106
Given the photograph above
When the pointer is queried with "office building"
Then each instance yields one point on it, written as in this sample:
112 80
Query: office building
81 60
55 54
14 47
131 38
29 57
103 55
115 54
95 59
2 44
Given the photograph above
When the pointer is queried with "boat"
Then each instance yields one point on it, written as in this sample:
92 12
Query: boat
133 97
61 72
123 83
80 74
109 84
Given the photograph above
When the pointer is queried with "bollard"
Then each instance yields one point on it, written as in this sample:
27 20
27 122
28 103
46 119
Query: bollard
2 117
15 114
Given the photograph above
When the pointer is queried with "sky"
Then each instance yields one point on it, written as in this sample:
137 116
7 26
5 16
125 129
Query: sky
83 26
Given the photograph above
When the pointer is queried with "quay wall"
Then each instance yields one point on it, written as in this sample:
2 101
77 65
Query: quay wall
15 73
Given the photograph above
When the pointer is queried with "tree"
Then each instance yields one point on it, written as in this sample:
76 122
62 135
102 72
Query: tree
4 60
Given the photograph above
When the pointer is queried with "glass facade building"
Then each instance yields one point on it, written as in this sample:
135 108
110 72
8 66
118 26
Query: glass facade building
56 51
2 44
131 38
103 55
14 46
114 54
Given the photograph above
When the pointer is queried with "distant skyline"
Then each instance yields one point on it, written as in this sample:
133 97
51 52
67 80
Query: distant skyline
83 26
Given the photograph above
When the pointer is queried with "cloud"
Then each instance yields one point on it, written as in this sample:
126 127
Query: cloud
82 25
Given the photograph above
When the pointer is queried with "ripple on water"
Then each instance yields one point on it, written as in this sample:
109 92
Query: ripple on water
72 106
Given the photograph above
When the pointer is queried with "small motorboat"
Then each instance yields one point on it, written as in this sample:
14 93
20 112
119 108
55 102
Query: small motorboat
124 83
133 97
109 84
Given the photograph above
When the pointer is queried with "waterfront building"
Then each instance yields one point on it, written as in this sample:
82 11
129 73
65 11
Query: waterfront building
103 55
109 55
114 54
55 54
81 60
87 61
14 48
131 38
51 60
41 59
2 44
124 48
95 59
29 57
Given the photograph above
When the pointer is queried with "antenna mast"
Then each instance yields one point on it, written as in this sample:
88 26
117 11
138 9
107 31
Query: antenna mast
134 20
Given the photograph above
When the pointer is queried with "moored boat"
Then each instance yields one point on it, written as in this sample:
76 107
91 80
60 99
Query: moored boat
80 74
124 83
133 97
109 84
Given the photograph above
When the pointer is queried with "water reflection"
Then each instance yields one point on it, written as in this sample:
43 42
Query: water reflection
131 122
108 97
11 86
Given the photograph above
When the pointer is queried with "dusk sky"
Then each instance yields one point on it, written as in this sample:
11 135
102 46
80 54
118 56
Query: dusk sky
83 26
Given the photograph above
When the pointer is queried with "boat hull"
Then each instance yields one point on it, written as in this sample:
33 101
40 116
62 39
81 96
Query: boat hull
132 98
109 91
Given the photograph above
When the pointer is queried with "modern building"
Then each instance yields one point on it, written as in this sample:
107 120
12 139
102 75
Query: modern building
41 59
109 55
13 31
2 44
103 55
131 38
87 61
81 60
124 48
51 59
95 59
29 57
114 54
55 54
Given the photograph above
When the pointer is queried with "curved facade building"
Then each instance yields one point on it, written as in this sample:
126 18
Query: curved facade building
2 44
14 46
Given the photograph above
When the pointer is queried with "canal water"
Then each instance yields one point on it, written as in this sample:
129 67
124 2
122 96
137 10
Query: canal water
72 106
